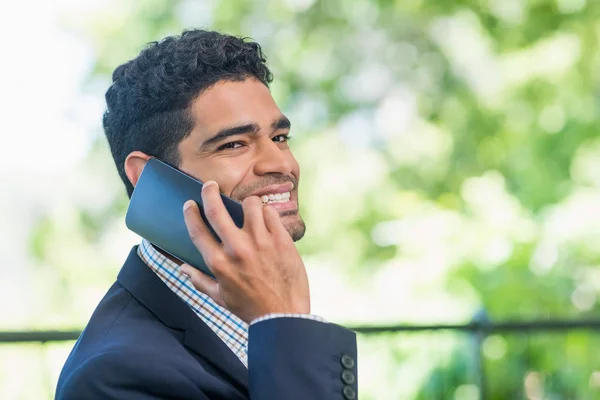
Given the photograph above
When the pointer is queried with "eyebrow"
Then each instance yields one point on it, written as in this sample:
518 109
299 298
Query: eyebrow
281 123
252 128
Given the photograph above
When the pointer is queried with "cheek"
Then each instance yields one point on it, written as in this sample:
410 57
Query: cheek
228 177
227 172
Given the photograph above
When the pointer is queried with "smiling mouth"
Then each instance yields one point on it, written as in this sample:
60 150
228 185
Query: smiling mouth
276 198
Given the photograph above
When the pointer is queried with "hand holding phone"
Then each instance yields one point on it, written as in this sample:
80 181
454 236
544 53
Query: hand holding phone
155 211
257 267
245 247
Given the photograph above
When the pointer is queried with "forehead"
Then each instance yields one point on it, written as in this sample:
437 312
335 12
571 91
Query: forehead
227 103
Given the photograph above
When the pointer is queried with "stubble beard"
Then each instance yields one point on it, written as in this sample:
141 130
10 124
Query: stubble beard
292 221
296 228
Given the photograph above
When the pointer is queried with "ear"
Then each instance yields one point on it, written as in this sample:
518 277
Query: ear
134 164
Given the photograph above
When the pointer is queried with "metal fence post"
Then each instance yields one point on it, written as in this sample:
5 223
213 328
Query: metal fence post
481 322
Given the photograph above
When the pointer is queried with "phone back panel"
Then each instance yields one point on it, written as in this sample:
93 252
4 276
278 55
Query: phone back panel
156 211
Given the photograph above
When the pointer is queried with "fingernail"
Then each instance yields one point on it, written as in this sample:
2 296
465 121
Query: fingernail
188 204
209 184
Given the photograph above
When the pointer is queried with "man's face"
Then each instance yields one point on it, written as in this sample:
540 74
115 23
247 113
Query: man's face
239 141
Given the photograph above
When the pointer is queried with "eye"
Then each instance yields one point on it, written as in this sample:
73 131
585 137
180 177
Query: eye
230 146
282 138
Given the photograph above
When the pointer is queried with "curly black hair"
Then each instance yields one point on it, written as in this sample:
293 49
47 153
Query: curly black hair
148 103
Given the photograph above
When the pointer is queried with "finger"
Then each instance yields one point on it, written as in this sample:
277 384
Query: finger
216 213
273 221
253 216
203 283
201 236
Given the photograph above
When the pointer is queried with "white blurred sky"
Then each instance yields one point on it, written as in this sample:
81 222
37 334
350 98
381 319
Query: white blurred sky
47 121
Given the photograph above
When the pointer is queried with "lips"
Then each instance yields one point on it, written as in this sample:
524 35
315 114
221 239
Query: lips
280 197
274 189
276 198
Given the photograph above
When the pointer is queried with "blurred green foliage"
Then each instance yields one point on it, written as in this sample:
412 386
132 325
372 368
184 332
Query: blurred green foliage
450 163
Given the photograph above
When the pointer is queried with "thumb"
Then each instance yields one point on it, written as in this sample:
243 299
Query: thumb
203 283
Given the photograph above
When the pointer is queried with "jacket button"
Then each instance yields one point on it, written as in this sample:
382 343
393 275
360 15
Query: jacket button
349 393
347 361
348 377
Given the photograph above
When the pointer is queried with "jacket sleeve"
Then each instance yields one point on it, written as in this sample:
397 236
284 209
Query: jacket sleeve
299 358
117 375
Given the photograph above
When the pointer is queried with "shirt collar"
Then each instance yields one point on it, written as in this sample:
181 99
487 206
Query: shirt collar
230 329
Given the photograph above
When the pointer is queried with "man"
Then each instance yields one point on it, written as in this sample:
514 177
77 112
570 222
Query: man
200 102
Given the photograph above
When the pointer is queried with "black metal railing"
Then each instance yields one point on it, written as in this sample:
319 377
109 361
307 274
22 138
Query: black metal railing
38 336
475 332
481 328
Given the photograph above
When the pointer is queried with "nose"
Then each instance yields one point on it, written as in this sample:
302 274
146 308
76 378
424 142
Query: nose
272 159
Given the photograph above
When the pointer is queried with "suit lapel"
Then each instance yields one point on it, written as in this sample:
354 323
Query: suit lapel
149 290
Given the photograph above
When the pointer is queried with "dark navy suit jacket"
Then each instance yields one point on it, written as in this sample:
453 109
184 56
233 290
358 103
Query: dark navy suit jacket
143 342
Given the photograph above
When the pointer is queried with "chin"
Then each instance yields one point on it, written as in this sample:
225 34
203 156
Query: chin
298 232
295 226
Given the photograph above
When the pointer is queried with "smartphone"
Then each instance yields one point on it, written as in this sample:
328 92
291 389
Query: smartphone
155 211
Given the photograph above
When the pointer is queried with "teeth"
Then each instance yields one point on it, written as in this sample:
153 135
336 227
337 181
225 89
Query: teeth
275 198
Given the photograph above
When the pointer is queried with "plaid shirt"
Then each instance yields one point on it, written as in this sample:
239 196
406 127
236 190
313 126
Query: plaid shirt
231 329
